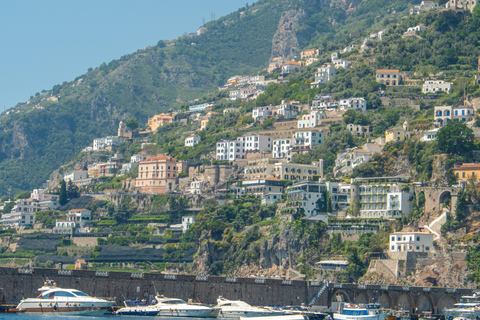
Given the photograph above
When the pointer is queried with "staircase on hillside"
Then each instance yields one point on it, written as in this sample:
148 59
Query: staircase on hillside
318 294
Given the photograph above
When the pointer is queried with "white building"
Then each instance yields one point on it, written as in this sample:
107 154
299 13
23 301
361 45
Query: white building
290 67
268 168
411 242
79 216
196 187
287 109
436 85
415 30
103 143
234 94
128 167
358 104
308 198
386 201
342 63
18 219
311 119
76 175
443 114
139 157
348 160
424 6
230 150
281 148
192 140
187 221
255 142
430 135
308 139
261 113
324 74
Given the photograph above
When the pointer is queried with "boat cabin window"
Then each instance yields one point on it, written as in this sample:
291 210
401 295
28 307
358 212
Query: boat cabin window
48 295
64 294
174 301
226 304
80 294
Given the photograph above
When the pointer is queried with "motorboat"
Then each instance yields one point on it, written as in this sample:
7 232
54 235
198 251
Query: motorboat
53 299
369 311
137 308
236 309
172 307
468 307
305 311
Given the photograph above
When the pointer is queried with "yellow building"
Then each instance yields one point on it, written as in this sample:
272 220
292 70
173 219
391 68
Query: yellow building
398 133
159 120
466 170
309 53
159 174
389 77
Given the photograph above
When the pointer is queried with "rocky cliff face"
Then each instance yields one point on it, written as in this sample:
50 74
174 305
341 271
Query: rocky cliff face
285 42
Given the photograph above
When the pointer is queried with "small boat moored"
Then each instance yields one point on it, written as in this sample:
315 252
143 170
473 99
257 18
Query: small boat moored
137 308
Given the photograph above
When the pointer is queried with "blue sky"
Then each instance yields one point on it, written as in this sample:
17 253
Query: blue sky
44 43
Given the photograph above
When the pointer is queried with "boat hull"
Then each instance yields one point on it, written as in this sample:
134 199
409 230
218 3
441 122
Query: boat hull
185 313
64 307
236 314
469 313
381 316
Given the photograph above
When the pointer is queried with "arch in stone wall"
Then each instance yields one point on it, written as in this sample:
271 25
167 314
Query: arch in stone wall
386 301
362 297
405 302
343 294
424 303
446 301
443 196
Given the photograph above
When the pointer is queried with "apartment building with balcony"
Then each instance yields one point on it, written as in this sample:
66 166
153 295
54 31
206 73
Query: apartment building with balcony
307 198
380 198
281 148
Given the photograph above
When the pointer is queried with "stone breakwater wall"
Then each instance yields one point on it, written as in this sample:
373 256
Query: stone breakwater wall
16 284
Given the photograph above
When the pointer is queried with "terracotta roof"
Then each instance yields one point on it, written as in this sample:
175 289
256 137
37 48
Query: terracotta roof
292 63
158 158
77 209
388 70
192 135
412 232
468 166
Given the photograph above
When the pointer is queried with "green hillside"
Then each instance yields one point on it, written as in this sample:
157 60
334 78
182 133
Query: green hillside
38 136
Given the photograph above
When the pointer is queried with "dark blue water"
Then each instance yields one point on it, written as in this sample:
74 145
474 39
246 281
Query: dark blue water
24 316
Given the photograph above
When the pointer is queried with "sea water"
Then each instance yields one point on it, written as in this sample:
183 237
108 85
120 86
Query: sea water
31 316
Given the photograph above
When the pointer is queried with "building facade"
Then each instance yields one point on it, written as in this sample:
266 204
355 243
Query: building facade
159 175
436 86
389 77
192 140
158 121
411 242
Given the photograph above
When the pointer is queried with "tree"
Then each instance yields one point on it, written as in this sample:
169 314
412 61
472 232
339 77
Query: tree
62 199
23 195
456 138
132 123
72 191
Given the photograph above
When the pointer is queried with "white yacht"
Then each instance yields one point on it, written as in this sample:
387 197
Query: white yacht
53 299
137 308
370 311
237 309
170 307
468 307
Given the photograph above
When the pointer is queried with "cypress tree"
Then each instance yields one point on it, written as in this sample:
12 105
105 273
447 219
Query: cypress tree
62 199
